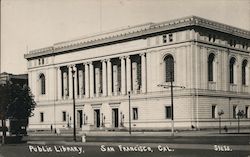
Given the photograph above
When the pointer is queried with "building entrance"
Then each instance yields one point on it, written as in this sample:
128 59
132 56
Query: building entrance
97 118
79 119
115 117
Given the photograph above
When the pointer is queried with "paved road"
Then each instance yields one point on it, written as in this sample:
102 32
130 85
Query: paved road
28 150
236 140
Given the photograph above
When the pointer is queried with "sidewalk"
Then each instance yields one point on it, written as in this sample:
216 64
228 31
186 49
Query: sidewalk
211 132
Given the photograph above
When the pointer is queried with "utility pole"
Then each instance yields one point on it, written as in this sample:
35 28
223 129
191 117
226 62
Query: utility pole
129 112
171 86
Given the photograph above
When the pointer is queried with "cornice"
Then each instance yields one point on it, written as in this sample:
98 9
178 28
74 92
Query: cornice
136 32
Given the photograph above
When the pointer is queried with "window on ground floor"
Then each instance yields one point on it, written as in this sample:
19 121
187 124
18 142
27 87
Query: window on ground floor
214 111
41 117
234 111
135 113
64 116
247 111
168 112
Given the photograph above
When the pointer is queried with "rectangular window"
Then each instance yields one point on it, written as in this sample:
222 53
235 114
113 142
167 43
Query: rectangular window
63 116
247 111
168 112
214 109
135 113
41 116
164 38
170 37
234 111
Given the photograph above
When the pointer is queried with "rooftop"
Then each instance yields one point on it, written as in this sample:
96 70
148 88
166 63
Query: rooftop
136 31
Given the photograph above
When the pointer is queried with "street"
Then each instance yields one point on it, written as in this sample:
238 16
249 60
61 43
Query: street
94 150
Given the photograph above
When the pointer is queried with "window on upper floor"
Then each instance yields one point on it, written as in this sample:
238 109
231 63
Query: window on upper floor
244 71
232 73
170 37
164 38
209 37
214 37
42 84
211 59
169 68
234 43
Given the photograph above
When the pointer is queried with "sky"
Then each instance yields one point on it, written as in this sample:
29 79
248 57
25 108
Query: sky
33 24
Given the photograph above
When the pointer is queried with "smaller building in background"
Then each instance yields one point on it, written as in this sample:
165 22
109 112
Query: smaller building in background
21 79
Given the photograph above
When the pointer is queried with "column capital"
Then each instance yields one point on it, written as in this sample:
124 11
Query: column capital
127 57
103 60
108 59
122 57
142 54
71 65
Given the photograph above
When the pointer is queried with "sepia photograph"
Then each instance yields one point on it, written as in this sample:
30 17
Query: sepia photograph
137 78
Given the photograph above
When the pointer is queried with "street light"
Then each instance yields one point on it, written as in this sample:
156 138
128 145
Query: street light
129 112
220 113
74 104
172 100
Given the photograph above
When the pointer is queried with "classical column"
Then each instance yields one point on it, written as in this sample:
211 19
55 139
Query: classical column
86 80
134 76
80 83
91 80
104 78
65 85
115 79
128 64
70 82
97 82
143 72
123 76
59 83
75 79
109 77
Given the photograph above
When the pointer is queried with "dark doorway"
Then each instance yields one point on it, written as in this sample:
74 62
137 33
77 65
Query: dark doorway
97 118
115 118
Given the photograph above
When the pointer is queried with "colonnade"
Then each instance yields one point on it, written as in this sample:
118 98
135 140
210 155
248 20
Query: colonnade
101 78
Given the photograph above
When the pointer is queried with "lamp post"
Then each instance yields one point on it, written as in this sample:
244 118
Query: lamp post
129 112
74 104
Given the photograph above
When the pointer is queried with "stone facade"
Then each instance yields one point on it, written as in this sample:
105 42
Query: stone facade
109 65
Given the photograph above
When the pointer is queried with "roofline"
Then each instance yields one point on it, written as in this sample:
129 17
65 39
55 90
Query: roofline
136 32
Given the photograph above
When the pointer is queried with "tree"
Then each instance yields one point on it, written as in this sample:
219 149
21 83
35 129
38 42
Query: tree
240 115
16 102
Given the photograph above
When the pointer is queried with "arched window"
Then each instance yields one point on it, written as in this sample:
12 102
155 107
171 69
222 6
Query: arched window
169 68
232 70
244 71
42 84
211 67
